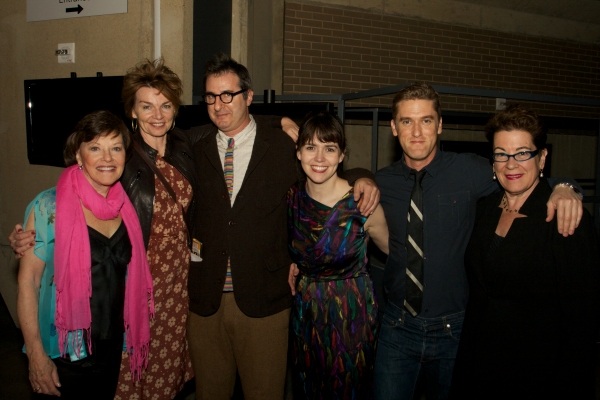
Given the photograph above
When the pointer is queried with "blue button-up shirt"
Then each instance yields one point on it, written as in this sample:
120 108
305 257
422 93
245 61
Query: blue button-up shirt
451 187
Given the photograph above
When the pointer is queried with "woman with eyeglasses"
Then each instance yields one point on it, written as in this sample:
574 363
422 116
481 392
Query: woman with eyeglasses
532 317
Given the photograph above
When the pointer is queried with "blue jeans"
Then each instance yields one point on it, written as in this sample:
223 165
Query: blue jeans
410 347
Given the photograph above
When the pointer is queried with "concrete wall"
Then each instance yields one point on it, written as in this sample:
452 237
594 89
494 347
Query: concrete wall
110 44
257 41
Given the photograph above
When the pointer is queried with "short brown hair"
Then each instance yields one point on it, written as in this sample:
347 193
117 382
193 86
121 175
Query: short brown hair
417 91
92 126
153 74
517 118
323 126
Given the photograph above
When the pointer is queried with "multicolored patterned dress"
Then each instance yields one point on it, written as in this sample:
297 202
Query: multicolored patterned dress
334 316
169 365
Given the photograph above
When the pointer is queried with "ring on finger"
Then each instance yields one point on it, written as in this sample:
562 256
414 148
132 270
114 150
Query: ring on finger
37 389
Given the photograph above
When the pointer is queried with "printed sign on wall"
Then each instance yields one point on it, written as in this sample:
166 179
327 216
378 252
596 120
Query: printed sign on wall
42 10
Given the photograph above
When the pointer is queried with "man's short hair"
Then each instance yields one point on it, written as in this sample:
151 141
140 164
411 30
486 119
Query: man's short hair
221 64
417 91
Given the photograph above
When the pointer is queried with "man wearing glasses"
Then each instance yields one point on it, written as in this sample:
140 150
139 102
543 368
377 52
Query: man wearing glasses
423 318
239 294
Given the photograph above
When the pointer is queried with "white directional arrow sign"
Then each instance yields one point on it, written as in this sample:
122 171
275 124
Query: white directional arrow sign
41 10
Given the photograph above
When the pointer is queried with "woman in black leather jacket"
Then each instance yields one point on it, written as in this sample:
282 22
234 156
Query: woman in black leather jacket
151 94
138 178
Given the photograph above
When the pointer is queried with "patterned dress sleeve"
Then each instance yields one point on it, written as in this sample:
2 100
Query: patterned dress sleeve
44 212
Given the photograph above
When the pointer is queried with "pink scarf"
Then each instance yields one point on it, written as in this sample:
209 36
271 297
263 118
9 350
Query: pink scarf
72 266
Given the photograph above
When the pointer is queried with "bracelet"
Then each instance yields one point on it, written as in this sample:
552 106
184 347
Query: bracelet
572 187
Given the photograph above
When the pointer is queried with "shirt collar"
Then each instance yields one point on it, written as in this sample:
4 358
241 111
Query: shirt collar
241 137
432 168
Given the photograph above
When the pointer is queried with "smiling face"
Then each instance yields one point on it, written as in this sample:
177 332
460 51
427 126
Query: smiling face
320 160
417 126
230 118
102 161
153 111
517 177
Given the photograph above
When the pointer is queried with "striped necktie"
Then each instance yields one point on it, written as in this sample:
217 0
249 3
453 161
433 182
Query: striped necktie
414 248
228 172
228 167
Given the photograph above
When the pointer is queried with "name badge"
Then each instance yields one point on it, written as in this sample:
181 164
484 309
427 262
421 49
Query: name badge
196 250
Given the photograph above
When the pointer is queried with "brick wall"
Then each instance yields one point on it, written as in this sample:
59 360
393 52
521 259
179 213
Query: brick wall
335 50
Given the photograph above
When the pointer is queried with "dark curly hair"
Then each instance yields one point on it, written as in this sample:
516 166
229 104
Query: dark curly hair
515 117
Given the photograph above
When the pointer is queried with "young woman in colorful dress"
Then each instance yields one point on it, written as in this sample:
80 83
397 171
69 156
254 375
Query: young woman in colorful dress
334 316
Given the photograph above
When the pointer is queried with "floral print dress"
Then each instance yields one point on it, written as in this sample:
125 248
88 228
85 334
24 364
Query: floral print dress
169 365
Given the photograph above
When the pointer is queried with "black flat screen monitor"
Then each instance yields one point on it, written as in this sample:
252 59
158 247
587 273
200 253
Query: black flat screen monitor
54 106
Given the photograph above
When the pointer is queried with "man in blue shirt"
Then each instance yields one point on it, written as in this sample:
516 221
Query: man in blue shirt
426 344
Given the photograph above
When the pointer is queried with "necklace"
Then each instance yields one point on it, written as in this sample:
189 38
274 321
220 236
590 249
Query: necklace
505 205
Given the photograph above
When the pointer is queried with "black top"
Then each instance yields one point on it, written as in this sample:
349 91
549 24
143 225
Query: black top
494 245
532 317
110 257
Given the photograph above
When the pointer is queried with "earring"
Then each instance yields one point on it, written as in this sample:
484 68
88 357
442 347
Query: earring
172 125
81 167
134 125
541 173
494 176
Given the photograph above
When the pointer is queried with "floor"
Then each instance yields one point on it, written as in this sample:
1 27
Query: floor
13 366
14 382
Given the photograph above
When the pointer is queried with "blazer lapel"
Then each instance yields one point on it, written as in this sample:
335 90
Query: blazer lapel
261 145
259 149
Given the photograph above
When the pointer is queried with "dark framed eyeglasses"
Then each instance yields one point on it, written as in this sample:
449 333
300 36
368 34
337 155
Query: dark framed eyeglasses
520 156
225 97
